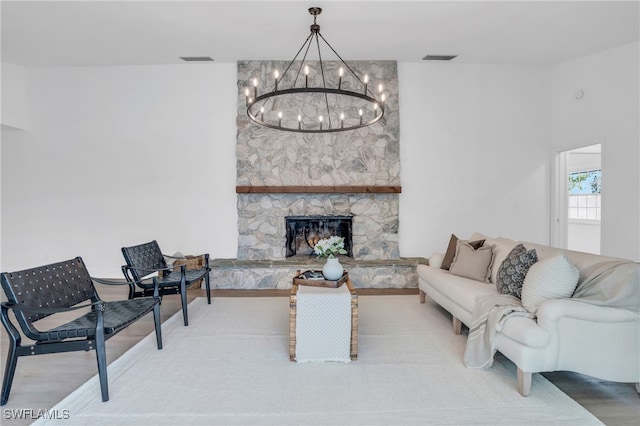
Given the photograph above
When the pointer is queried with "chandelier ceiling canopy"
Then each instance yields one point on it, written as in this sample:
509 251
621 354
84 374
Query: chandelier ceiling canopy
297 104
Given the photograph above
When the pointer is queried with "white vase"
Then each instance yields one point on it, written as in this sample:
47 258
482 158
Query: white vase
332 270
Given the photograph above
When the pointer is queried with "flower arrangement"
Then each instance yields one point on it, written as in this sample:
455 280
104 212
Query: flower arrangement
328 247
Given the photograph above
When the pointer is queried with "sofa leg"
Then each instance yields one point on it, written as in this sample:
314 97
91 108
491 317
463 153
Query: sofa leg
422 296
524 382
457 326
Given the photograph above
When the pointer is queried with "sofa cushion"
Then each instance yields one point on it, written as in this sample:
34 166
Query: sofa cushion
460 293
553 278
451 250
513 269
472 263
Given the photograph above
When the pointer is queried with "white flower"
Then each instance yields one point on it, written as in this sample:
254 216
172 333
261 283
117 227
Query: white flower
330 246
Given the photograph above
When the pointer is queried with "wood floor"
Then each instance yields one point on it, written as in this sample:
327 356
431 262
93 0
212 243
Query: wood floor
42 381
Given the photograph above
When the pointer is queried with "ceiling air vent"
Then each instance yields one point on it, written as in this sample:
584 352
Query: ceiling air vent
196 58
439 57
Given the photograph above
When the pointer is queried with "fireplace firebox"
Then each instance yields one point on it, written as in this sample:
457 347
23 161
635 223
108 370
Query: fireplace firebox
303 232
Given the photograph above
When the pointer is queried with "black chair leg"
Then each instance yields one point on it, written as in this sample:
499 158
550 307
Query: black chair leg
156 320
12 362
207 286
183 296
12 355
101 355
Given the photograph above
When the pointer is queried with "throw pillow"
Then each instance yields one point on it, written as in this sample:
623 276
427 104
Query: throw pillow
472 263
553 278
513 270
451 250
502 248
435 260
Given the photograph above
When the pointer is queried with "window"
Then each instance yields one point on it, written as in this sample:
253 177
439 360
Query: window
584 195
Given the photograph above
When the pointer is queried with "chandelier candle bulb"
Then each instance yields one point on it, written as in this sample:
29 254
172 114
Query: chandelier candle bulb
255 87
246 96
299 121
320 118
366 81
342 120
276 74
306 76
262 113
360 114
280 119
340 72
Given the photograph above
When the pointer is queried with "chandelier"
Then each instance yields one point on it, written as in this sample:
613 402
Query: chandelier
295 105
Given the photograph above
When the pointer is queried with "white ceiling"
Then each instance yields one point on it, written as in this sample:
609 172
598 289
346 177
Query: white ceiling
96 33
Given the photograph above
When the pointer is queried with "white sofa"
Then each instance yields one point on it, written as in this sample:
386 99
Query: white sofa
584 333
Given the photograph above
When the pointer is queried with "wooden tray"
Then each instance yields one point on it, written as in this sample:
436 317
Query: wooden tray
301 278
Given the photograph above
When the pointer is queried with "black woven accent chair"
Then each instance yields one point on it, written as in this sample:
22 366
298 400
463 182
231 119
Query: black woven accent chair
34 294
145 259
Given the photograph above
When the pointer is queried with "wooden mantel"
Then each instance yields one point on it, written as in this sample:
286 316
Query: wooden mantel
317 189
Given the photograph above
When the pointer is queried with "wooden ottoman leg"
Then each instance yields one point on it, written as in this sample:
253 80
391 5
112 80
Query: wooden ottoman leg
292 322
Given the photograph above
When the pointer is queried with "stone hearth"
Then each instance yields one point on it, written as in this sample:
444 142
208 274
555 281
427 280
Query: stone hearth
278 274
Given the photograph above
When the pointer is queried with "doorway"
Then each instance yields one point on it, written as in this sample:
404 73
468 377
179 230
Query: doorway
580 198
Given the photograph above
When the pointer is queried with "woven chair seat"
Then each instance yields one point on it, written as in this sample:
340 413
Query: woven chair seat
117 315
173 278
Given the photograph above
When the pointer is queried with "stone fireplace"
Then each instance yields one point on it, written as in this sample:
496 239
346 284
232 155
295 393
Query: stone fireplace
353 174
263 230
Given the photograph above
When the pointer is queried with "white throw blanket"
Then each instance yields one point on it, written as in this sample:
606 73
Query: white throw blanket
487 318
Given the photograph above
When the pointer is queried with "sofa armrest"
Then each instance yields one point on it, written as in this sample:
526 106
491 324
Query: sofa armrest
435 260
551 311
599 341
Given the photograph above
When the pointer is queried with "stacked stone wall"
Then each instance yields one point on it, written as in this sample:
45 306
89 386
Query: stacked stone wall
365 157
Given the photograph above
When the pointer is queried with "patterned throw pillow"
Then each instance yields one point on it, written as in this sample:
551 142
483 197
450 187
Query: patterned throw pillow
514 269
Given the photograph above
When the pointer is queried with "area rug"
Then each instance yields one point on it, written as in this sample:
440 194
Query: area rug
231 366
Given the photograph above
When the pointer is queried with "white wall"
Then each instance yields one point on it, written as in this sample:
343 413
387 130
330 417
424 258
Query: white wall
14 89
474 142
607 113
13 113
117 156
89 174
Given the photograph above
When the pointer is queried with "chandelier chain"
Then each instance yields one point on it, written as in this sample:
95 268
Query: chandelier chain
324 83
307 42
344 63
294 59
